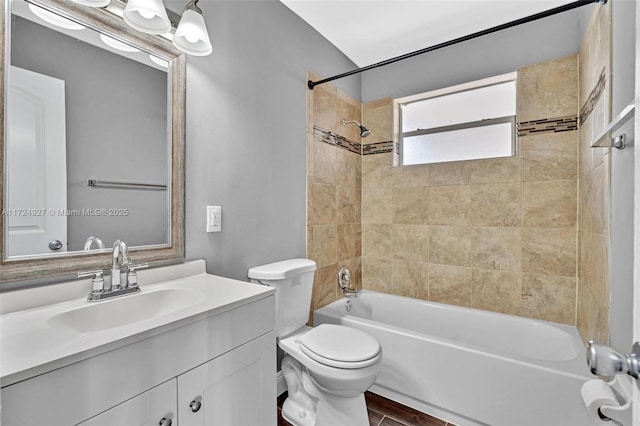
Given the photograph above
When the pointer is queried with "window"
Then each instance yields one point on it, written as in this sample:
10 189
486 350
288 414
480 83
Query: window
465 122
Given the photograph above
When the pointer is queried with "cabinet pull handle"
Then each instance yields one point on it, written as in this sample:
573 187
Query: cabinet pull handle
195 405
165 422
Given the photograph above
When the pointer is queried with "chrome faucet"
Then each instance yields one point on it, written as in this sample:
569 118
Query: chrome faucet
102 289
93 239
119 249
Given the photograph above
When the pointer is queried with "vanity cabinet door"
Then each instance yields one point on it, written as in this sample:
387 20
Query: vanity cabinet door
237 388
156 407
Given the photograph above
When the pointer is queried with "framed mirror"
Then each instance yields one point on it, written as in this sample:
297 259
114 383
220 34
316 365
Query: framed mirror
92 141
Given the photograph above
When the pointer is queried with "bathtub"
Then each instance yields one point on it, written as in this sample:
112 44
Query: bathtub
468 366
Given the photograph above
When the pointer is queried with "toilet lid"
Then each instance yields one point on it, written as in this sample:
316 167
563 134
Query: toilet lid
340 346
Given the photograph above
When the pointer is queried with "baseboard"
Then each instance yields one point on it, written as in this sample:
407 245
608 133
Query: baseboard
281 385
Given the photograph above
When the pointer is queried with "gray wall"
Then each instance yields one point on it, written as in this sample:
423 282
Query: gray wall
622 178
102 88
245 149
490 55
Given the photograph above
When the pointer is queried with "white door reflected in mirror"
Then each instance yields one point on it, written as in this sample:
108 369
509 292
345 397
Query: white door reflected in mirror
37 172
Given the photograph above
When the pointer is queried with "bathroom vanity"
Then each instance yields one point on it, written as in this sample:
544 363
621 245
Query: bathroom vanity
189 349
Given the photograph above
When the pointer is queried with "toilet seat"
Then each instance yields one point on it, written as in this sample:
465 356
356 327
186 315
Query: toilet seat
340 346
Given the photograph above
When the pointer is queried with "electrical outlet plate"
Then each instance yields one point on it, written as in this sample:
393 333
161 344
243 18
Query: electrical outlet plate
214 219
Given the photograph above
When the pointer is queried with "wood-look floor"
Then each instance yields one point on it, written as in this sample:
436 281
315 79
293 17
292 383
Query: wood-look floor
384 412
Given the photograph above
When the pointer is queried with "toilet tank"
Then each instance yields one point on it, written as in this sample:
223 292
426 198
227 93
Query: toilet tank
293 281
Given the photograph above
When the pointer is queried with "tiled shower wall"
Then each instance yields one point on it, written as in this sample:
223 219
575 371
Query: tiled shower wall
593 187
333 189
496 234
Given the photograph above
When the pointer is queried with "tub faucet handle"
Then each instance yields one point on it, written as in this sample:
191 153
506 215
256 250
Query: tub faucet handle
344 281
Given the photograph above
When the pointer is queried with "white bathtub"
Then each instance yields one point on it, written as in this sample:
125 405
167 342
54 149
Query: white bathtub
469 366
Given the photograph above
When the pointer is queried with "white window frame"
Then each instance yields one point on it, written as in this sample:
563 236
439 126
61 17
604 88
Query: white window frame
502 78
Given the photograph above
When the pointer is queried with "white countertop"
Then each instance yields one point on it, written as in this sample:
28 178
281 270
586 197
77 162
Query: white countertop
29 345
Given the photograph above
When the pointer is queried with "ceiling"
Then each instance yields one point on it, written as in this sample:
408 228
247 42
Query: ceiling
370 31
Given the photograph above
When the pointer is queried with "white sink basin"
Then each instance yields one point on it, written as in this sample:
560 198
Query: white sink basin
125 310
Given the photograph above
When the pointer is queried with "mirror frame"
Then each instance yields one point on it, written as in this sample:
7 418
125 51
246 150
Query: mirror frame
105 22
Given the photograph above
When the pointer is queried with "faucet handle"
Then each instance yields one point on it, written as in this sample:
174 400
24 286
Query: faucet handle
132 275
97 281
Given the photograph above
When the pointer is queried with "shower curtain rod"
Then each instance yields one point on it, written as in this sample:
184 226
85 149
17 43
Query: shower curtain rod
534 17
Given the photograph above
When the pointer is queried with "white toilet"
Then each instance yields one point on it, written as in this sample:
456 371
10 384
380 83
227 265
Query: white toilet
327 368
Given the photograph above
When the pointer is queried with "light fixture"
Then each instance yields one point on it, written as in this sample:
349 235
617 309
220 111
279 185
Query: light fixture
55 19
116 44
191 36
148 16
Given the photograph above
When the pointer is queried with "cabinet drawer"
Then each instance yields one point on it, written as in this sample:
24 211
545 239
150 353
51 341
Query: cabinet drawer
154 407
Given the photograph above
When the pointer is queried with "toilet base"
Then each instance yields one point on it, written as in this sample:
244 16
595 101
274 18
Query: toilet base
308 404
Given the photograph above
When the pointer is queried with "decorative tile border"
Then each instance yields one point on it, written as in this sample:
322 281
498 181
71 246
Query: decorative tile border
325 136
378 148
322 135
593 98
548 125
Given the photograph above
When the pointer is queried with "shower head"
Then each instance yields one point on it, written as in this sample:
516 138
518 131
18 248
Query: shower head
364 132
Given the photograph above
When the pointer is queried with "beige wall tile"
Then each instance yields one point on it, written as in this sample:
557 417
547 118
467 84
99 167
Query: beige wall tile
377 116
549 156
496 170
549 297
309 152
550 204
497 291
453 173
349 241
592 317
449 205
377 206
346 167
376 241
325 286
548 89
410 204
549 251
496 248
377 275
324 162
322 203
324 245
450 284
347 204
324 107
496 204
410 242
411 176
585 152
598 198
411 279
450 245
376 171
593 241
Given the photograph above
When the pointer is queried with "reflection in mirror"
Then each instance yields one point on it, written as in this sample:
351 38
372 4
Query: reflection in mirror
83 106
93 140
